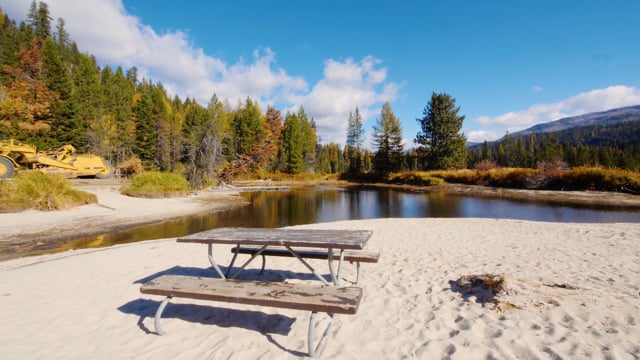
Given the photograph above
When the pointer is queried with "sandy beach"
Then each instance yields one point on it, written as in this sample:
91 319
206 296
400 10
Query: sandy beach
570 291
20 232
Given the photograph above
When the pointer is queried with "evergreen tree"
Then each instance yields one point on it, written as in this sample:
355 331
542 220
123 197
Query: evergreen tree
171 139
202 145
308 138
355 138
118 96
64 44
87 97
443 145
9 46
65 126
293 144
247 127
40 20
145 123
330 159
387 139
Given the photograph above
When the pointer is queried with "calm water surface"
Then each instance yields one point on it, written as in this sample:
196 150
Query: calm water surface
317 205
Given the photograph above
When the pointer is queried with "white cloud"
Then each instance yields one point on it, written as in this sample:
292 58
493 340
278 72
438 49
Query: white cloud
537 88
591 101
104 29
345 86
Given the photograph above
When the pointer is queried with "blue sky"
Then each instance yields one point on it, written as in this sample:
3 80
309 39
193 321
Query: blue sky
508 64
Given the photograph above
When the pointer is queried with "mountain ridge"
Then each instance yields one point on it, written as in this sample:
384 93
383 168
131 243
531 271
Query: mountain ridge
627 113
568 124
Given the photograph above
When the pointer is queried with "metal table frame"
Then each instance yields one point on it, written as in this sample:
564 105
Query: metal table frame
289 238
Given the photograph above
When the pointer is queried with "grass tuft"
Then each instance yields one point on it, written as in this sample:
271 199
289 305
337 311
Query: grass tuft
35 190
547 176
154 184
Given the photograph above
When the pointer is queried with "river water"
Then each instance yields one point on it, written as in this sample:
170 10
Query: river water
317 205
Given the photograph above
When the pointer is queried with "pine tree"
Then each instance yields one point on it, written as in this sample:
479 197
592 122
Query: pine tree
308 138
118 96
355 138
247 127
443 146
9 46
87 97
387 138
145 123
40 20
293 144
65 126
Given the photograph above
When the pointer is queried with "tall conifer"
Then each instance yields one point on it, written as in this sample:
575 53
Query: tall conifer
442 144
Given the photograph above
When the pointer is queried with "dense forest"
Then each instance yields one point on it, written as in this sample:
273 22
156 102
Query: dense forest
52 93
607 145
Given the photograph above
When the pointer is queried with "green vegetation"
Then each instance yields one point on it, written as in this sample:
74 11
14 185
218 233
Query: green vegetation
35 190
547 178
154 184
387 138
443 146
355 138
51 93
416 178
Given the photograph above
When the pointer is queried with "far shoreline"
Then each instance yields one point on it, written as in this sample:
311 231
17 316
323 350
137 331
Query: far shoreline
120 212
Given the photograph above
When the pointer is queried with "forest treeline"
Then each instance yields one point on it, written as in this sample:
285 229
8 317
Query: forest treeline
52 93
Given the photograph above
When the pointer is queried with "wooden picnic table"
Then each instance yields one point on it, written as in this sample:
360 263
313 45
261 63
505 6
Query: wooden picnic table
327 298
288 238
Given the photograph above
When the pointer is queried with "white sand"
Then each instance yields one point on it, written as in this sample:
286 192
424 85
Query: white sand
113 211
575 291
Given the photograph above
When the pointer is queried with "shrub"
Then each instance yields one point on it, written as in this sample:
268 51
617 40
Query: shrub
154 184
35 190
415 178
588 178
510 177
548 175
131 166
485 165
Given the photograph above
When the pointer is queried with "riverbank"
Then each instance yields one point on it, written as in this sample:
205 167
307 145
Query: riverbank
21 233
32 232
569 291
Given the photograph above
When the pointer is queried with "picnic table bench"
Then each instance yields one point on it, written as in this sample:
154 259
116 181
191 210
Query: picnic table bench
314 298
357 256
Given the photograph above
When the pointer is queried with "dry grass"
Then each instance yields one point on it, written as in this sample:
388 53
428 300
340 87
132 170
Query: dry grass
547 176
419 178
154 184
35 190
602 179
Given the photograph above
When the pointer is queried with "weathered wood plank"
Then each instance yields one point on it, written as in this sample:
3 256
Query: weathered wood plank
320 298
351 256
337 239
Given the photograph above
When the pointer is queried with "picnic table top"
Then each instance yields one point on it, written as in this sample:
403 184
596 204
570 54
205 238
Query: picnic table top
336 239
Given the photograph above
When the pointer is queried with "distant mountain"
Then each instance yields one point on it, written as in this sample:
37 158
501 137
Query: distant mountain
620 125
629 113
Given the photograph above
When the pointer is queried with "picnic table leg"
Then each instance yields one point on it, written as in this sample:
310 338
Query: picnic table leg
335 278
159 312
315 350
313 271
233 259
259 252
213 262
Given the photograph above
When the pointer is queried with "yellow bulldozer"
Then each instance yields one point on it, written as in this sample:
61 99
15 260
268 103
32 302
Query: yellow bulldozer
64 160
